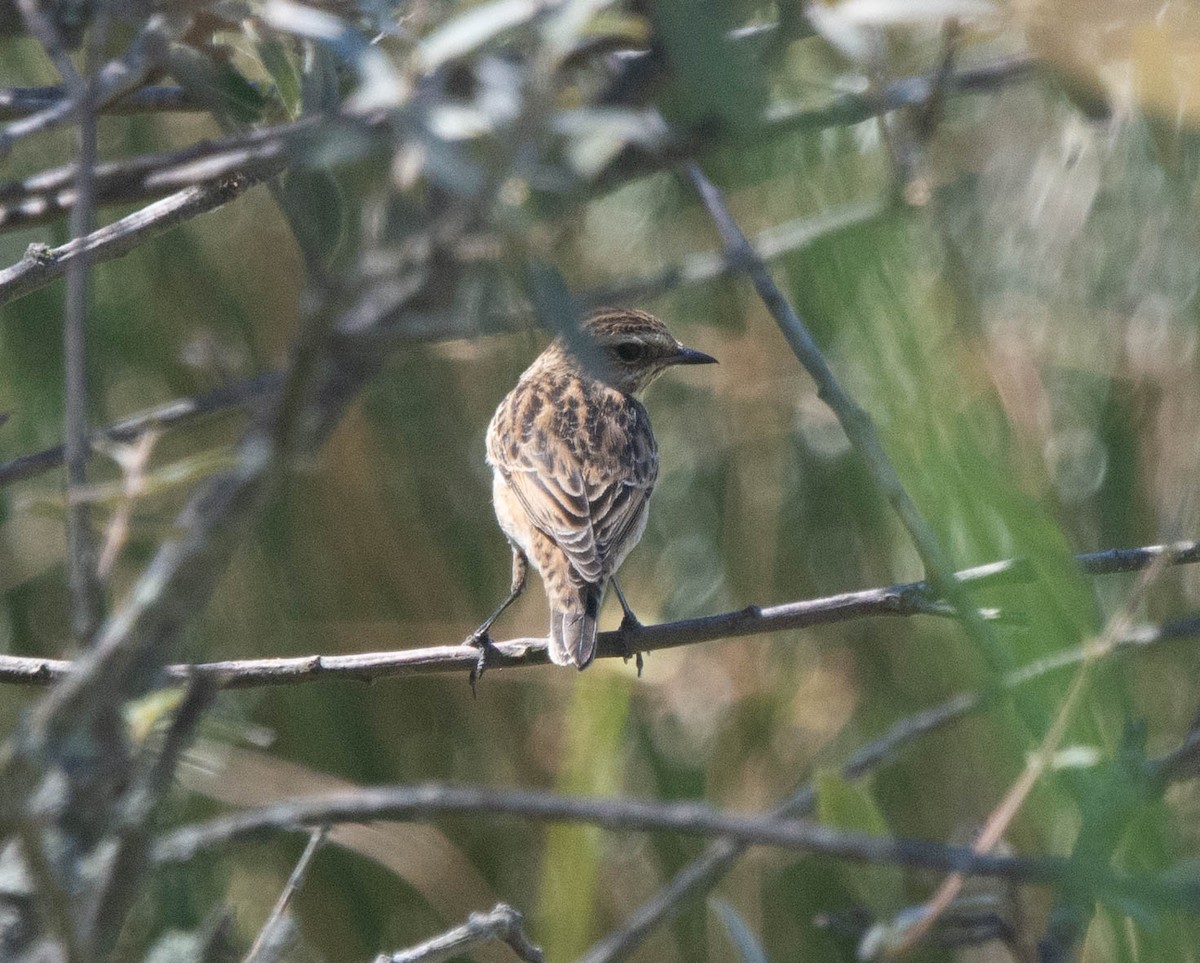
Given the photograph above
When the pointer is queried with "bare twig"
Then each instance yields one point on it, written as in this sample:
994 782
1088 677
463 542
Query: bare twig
58 880
17 102
503 923
133 460
41 264
256 154
274 921
783 120
907 92
117 78
907 599
251 393
82 576
42 28
854 421
705 266
426 801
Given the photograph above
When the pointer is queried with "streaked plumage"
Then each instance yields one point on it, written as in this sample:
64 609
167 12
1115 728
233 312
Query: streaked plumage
574 462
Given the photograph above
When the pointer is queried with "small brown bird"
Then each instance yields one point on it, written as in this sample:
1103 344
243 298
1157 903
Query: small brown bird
574 461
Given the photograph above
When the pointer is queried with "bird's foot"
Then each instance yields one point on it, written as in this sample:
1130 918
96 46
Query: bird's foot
482 640
630 626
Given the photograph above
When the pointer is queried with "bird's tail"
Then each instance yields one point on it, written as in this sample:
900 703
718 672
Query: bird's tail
573 626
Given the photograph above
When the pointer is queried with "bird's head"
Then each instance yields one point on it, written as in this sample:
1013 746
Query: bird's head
627 349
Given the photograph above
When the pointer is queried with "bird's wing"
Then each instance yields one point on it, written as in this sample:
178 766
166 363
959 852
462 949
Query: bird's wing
587 505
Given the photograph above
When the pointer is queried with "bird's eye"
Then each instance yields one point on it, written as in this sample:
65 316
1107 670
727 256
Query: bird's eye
630 350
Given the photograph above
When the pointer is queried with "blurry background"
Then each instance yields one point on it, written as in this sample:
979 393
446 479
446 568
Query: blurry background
1011 295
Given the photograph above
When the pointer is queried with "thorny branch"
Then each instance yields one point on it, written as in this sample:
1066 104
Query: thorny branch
907 599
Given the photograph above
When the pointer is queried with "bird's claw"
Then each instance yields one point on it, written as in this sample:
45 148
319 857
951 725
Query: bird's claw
483 642
630 625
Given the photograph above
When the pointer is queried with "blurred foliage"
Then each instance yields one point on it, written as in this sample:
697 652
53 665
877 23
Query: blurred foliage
1021 323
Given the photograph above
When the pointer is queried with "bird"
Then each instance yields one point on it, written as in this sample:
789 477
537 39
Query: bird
574 461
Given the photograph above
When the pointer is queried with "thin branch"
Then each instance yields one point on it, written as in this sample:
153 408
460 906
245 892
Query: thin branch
854 421
255 153
703 873
906 599
852 109
705 266
58 881
271 928
781 120
116 79
47 195
82 576
42 28
41 264
503 923
410 803
251 393
18 102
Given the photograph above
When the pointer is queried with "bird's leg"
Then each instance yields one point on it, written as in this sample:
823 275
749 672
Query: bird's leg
629 623
481 637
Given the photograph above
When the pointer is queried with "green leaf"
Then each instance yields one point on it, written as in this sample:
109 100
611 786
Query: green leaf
279 60
842 804
317 208
214 82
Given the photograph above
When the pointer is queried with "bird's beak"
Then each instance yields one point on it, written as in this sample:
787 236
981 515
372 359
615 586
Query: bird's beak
692 356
